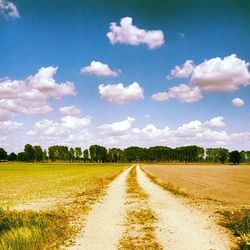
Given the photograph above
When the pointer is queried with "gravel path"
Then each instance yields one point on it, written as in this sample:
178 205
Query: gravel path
180 226
104 224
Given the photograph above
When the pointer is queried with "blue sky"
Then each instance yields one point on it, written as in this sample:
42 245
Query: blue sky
116 101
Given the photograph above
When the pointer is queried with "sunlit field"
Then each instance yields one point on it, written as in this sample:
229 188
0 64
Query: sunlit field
43 205
29 182
225 183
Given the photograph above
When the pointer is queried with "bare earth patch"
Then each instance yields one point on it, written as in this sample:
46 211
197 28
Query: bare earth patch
225 183
38 205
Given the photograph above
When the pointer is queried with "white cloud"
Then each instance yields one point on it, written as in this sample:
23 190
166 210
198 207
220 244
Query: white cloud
237 102
216 122
119 94
8 9
66 125
70 130
72 122
117 128
182 72
99 69
214 75
127 33
147 116
70 111
183 93
30 96
221 75
6 127
205 134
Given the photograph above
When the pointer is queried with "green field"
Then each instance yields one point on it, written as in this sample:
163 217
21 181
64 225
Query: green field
57 195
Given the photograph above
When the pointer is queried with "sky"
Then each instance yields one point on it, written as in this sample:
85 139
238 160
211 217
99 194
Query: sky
125 73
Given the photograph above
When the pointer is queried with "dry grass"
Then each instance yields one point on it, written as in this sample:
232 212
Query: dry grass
140 220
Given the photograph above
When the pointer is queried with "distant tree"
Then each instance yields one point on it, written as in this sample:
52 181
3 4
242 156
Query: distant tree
243 156
60 153
86 155
98 153
234 157
223 154
38 153
45 155
21 156
78 153
135 154
115 155
12 157
52 153
71 154
3 155
29 152
247 155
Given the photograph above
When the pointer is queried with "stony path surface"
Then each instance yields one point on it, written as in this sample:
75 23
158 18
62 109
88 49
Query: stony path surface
178 225
104 224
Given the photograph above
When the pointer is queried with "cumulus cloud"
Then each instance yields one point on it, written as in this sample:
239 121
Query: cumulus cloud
8 9
30 96
117 128
182 72
6 127
119 94
70 130
221 75
70 111
214 75
237 102
203 133
183 93
127 33
216 122
99 69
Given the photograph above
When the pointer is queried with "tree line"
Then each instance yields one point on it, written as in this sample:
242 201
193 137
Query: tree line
97 153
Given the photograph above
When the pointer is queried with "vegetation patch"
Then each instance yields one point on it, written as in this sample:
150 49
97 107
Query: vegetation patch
140 220
239 223
33 230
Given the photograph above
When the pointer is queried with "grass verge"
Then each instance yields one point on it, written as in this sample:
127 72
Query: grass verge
140 220
239 223
33 230
168 186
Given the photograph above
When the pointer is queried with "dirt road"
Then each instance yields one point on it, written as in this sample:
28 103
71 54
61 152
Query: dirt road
181 227
177 226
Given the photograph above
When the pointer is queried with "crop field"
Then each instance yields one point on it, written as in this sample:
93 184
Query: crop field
225 183
41 203
24 183
63 205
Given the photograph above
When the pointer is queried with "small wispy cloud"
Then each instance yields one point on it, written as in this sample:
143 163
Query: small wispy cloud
8 9
99 69
181 35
